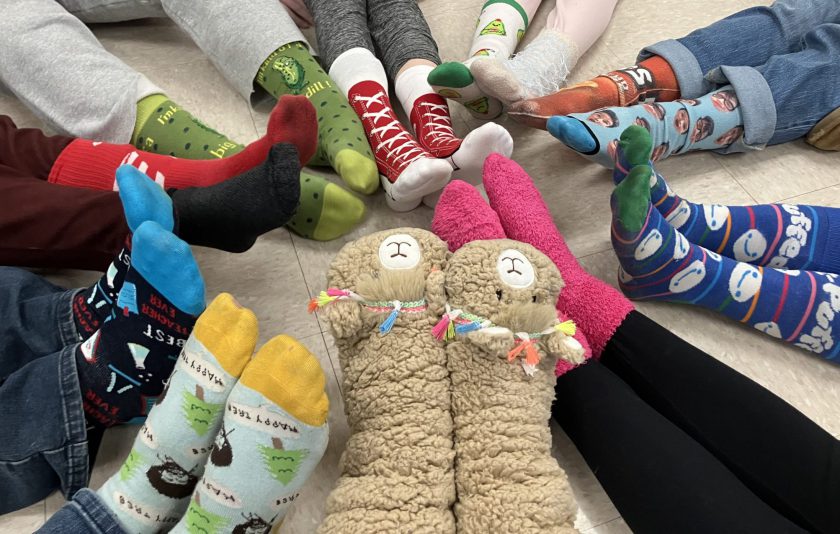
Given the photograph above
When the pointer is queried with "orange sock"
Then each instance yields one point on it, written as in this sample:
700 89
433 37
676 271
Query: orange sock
651 79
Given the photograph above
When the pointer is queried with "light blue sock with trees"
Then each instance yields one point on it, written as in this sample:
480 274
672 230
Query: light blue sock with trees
273 436
151 491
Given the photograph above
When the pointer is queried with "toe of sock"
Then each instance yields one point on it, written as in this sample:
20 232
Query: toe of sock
529 113
229 331
286 373
572 133
294 120
341 212
167 264
358 172
452 74
636 145
496 80
631 199
143 199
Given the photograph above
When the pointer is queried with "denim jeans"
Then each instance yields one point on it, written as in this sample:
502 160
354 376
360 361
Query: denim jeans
782 60
85 514
43 439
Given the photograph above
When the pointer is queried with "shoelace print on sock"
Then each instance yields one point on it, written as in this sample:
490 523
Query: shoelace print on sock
439 123
407 150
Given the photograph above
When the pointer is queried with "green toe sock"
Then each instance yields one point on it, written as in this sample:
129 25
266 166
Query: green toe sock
291 70
636 145
326 210
164 127
454 80
632 198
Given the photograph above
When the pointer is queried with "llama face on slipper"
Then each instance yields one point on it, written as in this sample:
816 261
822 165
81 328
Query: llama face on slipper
510 283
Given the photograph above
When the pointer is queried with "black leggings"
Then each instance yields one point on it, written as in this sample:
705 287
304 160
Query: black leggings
683 443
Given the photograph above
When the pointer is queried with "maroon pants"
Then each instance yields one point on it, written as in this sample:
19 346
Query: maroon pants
49 225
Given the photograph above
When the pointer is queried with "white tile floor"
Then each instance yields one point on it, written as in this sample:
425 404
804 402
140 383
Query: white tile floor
279 274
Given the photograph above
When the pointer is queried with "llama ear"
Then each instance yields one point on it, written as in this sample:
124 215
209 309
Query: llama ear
436 292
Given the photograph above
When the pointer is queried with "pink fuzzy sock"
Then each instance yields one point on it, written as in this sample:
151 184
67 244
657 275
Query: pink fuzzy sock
596 307
461 216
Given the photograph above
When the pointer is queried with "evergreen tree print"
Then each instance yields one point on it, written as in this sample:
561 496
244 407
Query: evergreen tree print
282 465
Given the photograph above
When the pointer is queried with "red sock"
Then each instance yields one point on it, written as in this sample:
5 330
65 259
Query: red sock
433 125
393 147
93 165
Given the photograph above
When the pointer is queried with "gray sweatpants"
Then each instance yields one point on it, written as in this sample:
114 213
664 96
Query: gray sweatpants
394 30
53 63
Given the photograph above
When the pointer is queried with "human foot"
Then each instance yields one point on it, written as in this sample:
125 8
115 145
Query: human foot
151 491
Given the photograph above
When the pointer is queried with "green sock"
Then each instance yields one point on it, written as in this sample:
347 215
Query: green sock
326 211
342 143
164 127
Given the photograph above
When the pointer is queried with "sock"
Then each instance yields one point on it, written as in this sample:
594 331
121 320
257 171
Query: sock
427 111
164 127
142 201
92 164
783 236
659 263
231 215
291 69
432 126
500 27
408 171
122 367
596 307
540 69
712 122
652 79
274 433
326 211
151 490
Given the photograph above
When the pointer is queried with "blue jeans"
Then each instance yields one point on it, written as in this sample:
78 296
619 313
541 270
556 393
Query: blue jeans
782 60
43 438
85 514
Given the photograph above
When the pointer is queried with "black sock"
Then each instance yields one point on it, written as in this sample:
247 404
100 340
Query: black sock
93 306
231 215
122 367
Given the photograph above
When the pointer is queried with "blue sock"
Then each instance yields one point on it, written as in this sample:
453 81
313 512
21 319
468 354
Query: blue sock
143 200
712 122
573 133
123 365
783 236
659 263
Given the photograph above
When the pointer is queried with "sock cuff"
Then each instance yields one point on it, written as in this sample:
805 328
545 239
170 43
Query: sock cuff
357 65
88 164
512 3
412 84
145 109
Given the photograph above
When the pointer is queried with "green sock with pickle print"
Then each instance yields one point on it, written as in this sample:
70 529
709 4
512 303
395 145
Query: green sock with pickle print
342 144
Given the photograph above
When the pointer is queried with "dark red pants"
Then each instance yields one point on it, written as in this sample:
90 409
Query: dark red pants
49 225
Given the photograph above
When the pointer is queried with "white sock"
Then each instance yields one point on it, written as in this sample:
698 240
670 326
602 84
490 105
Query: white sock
411 84
499 29
357 65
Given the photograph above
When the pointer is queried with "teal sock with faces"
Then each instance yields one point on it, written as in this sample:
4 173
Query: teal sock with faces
712 122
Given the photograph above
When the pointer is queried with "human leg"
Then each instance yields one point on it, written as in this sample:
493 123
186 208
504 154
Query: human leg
29 149
85 514
783 457
500 27
659 263
776 235
541 68
659 478
674 68
718 121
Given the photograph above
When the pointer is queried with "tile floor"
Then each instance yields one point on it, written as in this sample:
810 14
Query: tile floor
282 271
